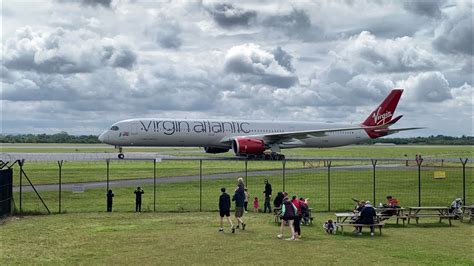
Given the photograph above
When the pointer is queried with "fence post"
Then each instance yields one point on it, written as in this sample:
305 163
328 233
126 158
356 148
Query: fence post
107 162
200 185
283 164
60 165
154 185
20 163
328 164
463 179
246 173
374 163
419 162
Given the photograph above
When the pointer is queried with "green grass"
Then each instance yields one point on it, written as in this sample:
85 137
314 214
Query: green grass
192 238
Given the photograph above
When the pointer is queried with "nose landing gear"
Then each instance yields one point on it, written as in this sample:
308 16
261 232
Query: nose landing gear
120 155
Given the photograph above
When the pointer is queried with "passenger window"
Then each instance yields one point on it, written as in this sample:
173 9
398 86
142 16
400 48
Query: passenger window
114 128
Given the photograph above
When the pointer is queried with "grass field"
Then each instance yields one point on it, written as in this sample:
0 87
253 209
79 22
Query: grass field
192 238
178 234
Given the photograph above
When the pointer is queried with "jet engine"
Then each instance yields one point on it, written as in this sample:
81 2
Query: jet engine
245 146
215 150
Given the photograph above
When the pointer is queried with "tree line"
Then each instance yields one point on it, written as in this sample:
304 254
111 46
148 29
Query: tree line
64 137
431 140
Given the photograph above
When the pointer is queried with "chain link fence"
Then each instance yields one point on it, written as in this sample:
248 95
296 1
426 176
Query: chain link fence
179 185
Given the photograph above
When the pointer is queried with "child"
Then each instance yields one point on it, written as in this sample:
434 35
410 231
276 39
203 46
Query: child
304 210
224 210
255 204
329 226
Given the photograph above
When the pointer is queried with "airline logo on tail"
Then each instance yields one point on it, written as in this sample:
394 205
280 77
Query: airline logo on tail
384 112
379 119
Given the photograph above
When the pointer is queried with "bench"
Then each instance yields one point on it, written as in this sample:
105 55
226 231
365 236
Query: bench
341 225
399 217
440 216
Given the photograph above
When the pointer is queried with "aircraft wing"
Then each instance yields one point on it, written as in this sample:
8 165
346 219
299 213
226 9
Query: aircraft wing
273 138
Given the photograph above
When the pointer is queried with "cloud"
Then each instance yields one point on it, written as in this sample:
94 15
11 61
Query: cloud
65 51
256 65
283 58
424 8
387 55
165 30
454 34
294 23
104 3
315 61
227 16
427 87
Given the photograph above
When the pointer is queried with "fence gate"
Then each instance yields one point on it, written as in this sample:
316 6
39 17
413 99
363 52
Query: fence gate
6 183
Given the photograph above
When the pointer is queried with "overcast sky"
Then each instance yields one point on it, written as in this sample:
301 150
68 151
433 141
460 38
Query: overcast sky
79 66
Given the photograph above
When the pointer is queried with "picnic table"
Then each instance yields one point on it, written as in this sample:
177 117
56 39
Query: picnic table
341 217
467 212
384 213
381 214
440 212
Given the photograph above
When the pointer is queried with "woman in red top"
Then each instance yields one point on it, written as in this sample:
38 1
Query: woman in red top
298 216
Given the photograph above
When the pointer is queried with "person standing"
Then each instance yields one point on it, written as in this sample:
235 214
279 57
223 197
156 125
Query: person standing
268 194
298 216
239 198
110 197
288 213
255 204
138 199
224 210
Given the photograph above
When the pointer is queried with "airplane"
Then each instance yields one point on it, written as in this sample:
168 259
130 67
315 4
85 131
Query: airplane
251 139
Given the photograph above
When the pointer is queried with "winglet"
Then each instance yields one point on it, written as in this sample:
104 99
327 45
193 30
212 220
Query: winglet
384 112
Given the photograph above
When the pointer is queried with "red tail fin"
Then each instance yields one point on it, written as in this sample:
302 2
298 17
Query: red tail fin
384 112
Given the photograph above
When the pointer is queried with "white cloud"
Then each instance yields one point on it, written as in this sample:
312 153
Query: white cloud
256 65
64 51
427 87
96 62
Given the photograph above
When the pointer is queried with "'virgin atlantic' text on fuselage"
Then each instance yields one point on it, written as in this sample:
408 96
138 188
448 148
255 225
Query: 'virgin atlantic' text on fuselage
170 127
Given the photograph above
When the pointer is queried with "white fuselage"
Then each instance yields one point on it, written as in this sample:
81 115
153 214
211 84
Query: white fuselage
210 133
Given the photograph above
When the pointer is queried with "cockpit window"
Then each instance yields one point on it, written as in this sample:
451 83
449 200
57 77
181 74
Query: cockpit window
114 128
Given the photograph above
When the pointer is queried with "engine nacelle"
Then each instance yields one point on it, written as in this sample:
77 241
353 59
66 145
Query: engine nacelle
215 150
244 146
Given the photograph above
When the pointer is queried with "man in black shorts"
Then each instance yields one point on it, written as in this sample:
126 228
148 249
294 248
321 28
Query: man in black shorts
224 210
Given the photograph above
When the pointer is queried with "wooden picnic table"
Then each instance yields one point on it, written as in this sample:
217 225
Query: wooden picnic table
441 212
341 217
384 213
467 212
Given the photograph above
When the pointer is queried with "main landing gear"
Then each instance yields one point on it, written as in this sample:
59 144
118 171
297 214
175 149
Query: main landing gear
271 156
120 155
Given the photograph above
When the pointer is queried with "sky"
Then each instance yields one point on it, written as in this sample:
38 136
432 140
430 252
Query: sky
80 66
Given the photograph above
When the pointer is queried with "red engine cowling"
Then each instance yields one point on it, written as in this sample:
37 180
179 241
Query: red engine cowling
244 146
